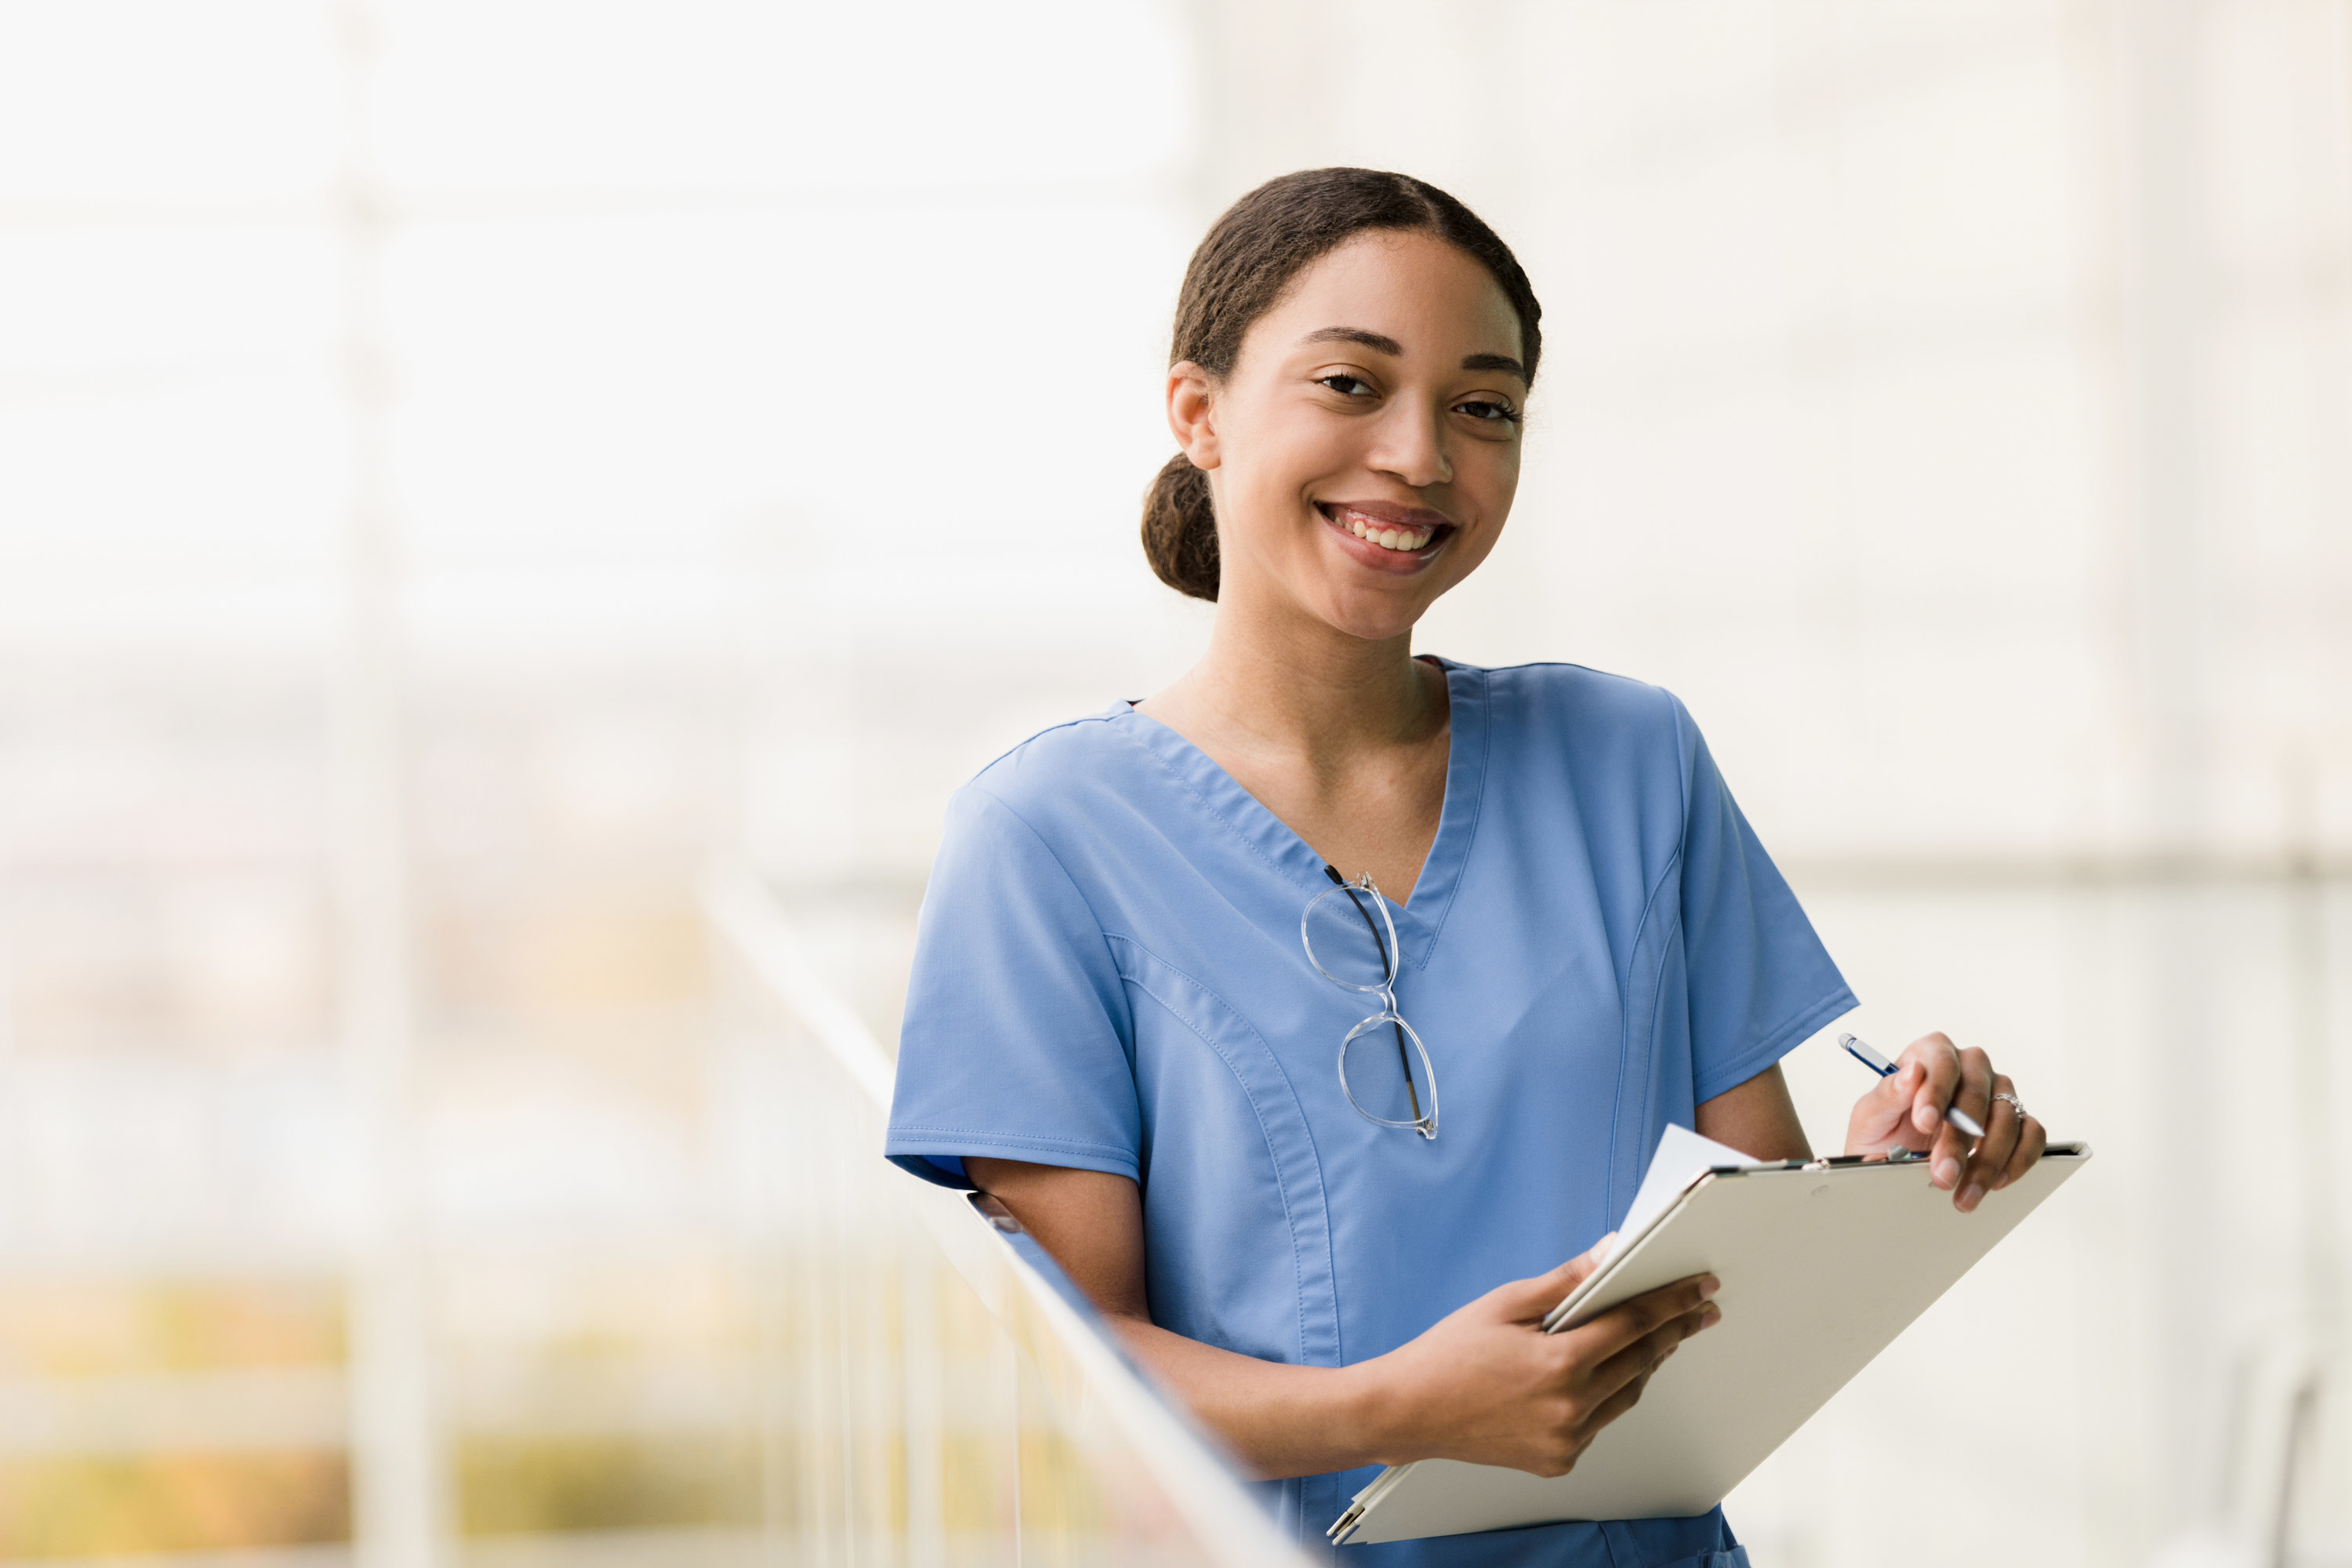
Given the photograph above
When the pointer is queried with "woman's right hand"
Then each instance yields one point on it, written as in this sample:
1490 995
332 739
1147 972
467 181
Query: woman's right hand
1488 1385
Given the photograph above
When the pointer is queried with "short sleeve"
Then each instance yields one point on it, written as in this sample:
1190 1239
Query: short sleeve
1015 1040
1759 980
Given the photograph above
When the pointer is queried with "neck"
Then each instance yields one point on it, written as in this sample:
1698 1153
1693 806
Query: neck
1300 684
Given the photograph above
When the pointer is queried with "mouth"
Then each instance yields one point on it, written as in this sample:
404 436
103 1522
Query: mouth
1396 536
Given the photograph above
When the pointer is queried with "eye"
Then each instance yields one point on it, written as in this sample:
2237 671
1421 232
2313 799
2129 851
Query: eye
1346 385
1490 412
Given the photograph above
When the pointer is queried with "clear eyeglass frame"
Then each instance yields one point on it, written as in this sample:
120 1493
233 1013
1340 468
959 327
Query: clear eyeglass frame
1373 909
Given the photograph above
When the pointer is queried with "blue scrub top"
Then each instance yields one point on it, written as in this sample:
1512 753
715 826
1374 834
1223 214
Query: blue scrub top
1109 976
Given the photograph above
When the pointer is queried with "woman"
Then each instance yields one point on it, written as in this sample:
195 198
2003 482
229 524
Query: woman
1114 1027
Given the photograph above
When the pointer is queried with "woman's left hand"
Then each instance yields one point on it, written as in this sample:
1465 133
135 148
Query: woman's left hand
1907 1107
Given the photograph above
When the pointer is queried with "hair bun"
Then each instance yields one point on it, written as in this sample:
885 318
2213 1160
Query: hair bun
1179 529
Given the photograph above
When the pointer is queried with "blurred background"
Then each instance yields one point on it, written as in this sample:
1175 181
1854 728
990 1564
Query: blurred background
469 470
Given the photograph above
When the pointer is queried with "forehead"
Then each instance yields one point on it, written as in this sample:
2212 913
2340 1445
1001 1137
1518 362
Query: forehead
1433 299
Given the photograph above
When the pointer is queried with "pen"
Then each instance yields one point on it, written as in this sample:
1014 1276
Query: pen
1884 1068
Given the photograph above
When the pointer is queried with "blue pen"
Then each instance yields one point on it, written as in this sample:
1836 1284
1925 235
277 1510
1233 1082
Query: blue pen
1884 1068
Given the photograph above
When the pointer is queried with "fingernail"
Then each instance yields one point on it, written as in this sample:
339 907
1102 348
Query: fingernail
1712 1316
1948 1170
1973 1196
1708 1287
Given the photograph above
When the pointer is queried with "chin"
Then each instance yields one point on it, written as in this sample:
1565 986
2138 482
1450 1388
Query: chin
1373 618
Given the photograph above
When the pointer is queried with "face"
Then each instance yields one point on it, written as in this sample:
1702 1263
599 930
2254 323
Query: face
1365 449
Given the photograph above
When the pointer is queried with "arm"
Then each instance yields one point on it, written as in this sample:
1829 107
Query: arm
1758 1118
1484 1385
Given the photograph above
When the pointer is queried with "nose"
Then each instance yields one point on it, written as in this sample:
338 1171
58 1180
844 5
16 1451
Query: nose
1410 446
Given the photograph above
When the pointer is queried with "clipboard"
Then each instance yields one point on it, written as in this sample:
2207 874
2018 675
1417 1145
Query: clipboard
1822 1264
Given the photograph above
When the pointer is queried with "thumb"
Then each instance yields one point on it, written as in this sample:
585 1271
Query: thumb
1527 1301
1888 1102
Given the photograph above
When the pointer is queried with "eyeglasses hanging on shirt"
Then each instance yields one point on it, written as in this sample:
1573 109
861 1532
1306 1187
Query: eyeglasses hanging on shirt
1385 1071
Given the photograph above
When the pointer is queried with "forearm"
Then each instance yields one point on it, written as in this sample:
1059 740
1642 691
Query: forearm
1277 1420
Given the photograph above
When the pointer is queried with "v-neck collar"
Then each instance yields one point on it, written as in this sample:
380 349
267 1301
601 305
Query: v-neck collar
1423 917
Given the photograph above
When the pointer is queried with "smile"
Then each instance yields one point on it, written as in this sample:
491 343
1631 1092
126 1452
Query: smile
1390 528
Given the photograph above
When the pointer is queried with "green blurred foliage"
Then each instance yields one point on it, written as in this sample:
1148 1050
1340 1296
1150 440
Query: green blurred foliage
510 1484
93 1505
107 1327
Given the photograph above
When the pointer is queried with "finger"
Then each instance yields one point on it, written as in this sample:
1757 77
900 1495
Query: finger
2032 1138
1615 1405
1885 1111
1939 1062
2001 1124
1946 1153
1596 1341
1529 1301
1590 1344
1650 1352
1971 1093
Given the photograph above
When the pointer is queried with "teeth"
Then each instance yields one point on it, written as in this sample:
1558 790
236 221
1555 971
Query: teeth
1388 538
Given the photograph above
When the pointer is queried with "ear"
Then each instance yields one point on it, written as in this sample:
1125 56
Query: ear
1191 413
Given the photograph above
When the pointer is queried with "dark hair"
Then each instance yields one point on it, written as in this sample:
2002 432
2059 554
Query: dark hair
1249 257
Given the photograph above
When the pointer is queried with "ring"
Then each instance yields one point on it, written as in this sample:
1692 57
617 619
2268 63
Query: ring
2014 1104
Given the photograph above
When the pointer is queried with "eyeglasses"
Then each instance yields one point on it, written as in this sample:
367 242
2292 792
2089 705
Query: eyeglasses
1350 939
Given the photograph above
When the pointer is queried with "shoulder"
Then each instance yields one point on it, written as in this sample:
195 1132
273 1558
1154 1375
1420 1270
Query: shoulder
1048 781
1617 744
1589 706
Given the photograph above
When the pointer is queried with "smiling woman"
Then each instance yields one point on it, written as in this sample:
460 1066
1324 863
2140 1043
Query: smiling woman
1246 266
1123 1022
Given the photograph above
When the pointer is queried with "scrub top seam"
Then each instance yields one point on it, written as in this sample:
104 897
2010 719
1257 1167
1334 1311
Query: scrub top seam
1126 1045
1024 1139
1274 1157
1682 769
1634 949
1478 808
984 768
1657 999
1225 819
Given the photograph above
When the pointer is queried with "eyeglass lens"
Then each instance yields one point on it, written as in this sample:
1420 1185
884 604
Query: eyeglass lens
1386 1073
1347 935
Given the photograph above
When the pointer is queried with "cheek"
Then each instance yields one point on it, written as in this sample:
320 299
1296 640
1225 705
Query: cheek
1294 449
1466 555
1488 478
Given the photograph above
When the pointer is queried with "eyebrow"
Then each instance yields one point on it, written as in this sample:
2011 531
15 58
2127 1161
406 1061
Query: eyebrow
1372 340
1380 343
1494 362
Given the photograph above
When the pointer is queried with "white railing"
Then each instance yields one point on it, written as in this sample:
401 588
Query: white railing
931 1393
